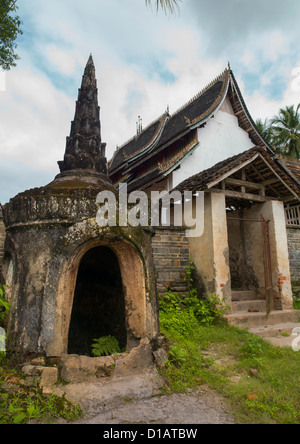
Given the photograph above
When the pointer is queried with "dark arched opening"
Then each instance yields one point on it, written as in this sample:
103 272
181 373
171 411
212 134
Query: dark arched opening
99 303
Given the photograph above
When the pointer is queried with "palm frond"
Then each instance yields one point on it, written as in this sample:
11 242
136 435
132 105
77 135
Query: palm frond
166 5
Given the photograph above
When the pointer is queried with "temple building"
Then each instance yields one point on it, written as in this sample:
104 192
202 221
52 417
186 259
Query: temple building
70 280
212 145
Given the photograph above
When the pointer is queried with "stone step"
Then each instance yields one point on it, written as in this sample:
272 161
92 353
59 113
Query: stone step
276 330
245 295
280 335
245 306
181 290
249 320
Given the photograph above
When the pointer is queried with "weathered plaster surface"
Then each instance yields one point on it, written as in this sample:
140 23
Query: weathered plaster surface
210 251
46 253
220 139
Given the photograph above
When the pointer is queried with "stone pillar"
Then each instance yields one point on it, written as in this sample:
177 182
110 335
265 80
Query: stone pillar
210 252
293 234
273 211
282 287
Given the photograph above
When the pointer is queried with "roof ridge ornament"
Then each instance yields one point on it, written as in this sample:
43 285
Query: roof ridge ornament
164 115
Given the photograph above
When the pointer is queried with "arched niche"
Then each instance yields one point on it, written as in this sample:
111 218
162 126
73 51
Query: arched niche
133 281
99 305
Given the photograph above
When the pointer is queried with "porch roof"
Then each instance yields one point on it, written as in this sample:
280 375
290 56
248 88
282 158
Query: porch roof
252 176
292 167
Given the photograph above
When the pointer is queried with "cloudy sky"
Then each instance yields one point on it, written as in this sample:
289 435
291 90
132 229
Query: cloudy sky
144 61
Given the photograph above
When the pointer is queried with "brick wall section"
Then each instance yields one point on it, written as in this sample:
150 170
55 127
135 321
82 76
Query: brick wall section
171 256
294 252
2 239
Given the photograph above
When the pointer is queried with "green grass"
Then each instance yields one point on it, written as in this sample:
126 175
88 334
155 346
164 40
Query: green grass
296 303
27 405
221 357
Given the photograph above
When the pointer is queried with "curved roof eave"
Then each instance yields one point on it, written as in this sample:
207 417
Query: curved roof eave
252 130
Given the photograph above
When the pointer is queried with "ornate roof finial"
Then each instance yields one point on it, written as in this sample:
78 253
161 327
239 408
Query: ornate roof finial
139 126
84 149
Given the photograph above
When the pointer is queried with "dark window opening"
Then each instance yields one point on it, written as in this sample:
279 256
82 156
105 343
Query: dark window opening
99 304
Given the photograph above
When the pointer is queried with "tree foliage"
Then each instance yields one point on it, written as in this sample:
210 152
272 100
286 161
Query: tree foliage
286 127
10 28
283 131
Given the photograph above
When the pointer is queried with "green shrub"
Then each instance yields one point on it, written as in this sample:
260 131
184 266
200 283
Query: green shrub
206 311
178 355
105 346
296 303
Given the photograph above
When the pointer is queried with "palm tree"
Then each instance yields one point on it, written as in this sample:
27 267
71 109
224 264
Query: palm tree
266 130
286 128
166 5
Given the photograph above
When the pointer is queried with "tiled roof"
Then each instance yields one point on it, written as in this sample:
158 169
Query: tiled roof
292 167
167 127
194 112
202 180
138 143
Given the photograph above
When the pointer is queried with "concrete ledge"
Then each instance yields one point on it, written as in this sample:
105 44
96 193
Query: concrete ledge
249 320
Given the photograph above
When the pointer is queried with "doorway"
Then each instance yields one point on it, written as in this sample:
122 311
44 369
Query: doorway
99 304
250 259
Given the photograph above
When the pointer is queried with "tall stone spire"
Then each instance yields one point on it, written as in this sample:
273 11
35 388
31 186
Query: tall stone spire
84 149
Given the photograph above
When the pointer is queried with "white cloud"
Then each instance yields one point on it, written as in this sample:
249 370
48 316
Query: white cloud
144 63
64 61
34 117
264 108
274 45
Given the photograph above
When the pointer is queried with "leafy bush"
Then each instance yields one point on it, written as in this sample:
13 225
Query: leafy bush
206 311
296 303
178 355
105 346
